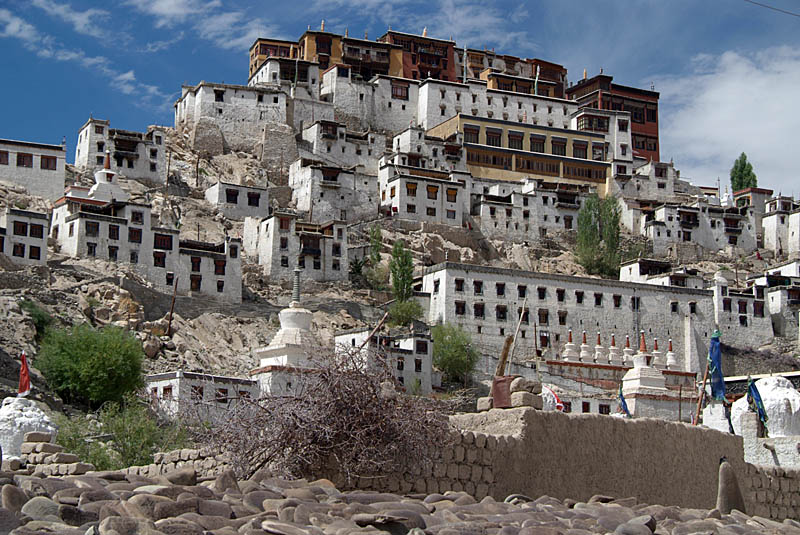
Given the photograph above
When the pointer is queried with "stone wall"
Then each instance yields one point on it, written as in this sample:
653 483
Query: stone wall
771 491
204 462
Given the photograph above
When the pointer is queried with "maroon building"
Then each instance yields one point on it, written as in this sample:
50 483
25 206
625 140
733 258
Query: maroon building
599 92
423 56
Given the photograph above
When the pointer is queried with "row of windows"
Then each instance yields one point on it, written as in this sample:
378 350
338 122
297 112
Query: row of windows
49 163
160 241
317 263
221 395
430 211
18 250
24 229
232 197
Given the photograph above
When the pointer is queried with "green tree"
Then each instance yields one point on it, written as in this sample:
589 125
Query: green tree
453 352
91 366
402 268
375 245
404 312
598 236
742 175
41 318
135 435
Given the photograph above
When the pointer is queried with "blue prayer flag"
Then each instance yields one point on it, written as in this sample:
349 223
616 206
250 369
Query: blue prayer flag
715 368
622 403
755 403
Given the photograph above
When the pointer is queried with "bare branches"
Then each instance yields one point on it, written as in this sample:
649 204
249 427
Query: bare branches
345 419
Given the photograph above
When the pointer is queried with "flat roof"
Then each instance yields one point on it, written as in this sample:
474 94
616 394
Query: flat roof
393 32
32 144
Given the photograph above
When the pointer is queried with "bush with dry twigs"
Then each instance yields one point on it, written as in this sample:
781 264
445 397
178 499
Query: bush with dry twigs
345 420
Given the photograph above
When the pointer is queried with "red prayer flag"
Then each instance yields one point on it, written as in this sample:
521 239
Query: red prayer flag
24 378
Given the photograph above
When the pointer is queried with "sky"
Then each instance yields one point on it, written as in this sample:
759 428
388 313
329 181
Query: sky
728 71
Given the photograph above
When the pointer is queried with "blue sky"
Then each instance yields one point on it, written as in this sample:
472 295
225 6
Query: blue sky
728 70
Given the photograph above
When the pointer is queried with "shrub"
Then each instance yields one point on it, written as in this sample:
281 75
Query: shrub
91 366
404 312
453 352
377 277
41 318
135 435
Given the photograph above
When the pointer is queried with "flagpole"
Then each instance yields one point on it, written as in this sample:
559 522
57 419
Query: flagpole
702 396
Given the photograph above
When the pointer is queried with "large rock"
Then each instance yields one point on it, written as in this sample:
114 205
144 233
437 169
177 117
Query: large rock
41 508
19 416
207 138
782 403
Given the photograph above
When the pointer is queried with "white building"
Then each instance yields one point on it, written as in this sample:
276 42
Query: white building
281 242
325 192
23 236
335 145
407 352
102 223
236 201
488 303
137 155
38 167
234 115
781 226
188 394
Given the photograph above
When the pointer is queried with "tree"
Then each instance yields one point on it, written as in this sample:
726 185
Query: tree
402 268
598 236
91 366
453 352
345 420
375 245
404 312
742 175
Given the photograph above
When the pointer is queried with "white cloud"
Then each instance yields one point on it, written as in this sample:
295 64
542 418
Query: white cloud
233 29
157 46
732 103
45 46
170 12
89 22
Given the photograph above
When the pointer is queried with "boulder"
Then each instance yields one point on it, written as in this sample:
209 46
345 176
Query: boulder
19 416
13 498
207 138
41 508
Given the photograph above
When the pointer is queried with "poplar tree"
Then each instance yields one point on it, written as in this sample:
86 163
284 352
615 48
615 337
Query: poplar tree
742 175
598 236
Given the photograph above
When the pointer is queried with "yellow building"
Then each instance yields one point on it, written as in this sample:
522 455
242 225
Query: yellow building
367 58
506 150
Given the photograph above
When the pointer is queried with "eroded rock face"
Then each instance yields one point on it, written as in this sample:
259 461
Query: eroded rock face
17 417
782 402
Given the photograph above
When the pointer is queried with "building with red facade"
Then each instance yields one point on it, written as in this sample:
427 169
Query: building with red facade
600 92
423 56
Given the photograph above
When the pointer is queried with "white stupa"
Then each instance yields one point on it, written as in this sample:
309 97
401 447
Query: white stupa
105 186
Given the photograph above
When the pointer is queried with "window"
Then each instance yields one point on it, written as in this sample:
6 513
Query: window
726 304
418 365
501 312
221 395
232 196
130 164
461 308
284 242
253 199
134 257
91 249
137 217
71 229
451 214
135 235
98 129
3 157
20 228
35 253
652 115
24 160
537 143
459 284
284 261
452 195
433 192
195 263
604 408
112 252
562 317
436 286
219 95
197 392
162 241
336 249
579 150
622 125
673 307
195 281
430 211
159 259
335 266
692 307
559 148
493 138
742 304
478 310
411 189
477 287
92 228
617 301
220 286
579 297
523 315
635 302
19 250
544 316
522 291
501 289
233 251
585 407
166 392
219 267
401 363
48 162
411 208
170 278
421 347
542 292
758 307
317 264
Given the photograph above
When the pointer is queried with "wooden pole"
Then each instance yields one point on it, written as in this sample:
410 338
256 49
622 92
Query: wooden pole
500 371
702 396
372 333
516 332
680 402
172 306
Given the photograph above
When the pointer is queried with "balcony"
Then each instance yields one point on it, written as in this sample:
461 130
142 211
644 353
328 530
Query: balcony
733 230
689 223
307 250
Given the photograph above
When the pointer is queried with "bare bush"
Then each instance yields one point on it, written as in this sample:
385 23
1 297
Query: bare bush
344 420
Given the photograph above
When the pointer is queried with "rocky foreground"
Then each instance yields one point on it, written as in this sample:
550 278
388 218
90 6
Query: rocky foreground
114 503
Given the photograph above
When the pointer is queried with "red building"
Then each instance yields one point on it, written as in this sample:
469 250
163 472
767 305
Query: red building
423 56
599 92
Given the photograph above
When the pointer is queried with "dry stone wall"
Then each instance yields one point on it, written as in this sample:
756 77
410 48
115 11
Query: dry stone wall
205 462
771 491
